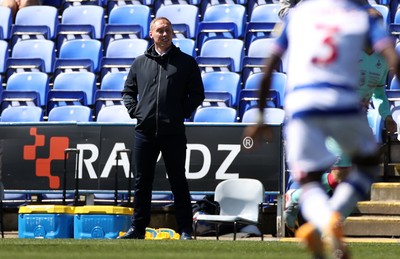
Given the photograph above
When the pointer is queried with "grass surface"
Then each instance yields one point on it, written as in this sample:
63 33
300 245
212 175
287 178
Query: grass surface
210 249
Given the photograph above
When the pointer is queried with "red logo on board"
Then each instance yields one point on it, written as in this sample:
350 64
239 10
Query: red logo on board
56 145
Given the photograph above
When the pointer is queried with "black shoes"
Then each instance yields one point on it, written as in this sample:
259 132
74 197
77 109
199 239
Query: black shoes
186 236
131 234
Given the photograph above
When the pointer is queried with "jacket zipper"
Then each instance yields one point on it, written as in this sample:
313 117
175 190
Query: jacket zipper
158 97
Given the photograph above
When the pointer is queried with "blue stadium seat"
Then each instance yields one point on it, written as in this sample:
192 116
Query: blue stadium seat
84 21
278 83
36 21
222 54
227 82
126 48
222 21
186 45
215 114
5 22
69 3
114 113
114 65
30 88
205 4
252 4
184 18
394 84
257 30
70 113
72 88
3 55
113 81
249 98
128 21
271 115
79 54
111 4
120 55
110 90
15 200
32 53
384 10
254 60
22 114
266 13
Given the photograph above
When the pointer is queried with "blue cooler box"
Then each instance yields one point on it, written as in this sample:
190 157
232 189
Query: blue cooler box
46 221
101 221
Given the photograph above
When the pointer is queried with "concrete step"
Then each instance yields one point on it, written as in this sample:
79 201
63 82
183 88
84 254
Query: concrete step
385 192
374 226
378 208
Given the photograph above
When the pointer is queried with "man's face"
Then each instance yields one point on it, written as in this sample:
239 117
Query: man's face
162 34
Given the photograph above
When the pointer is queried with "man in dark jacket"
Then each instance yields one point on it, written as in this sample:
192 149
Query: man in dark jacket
163 87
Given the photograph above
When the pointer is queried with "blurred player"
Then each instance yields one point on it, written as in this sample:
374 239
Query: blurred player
322 101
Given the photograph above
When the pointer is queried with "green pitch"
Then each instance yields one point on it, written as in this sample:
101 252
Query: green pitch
175 249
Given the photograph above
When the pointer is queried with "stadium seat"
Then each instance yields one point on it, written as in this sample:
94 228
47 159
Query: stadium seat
70 113
393 96
186 45
114 65
266 13
254 60
29 88
271 115
3 55
240 203
384 10
128 21
36 54
79 54
205 4
227 82
221 21
394 84
184 18
257 30
72 88
22 114
252 4
110 90
215 114
84 21
278 83
36 21
114 113
5 22
111 4
221 54
126 48
249 98
15 200
69 3
120 55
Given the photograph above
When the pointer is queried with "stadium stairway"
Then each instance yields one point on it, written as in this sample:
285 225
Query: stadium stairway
378 217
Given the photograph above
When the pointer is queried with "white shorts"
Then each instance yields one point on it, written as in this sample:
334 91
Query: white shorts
306 148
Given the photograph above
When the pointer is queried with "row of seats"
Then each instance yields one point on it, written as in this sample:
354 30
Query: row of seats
91 20
87 54
118 113
221 89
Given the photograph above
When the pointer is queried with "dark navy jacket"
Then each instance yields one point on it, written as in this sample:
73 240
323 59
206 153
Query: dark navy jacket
161 91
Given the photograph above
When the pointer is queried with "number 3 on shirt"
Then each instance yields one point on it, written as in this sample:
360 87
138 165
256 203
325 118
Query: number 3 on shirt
328 42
